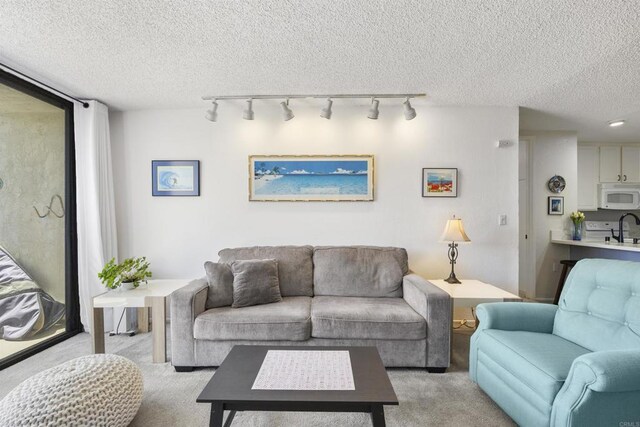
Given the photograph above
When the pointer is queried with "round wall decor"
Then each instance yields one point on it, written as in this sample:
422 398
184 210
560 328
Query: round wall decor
557 184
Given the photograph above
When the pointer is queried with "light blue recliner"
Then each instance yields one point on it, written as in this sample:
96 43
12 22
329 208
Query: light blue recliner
575 364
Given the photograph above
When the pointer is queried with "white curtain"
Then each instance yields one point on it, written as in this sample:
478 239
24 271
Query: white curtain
97 238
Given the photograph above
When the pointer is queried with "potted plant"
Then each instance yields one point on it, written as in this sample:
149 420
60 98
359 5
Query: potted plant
126 275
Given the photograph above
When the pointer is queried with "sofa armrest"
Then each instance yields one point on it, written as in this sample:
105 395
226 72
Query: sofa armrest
517 316
585 399
434 305
186 304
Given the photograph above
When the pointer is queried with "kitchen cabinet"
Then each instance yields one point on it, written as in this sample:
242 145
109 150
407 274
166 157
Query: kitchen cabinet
588 178
620 164
630 164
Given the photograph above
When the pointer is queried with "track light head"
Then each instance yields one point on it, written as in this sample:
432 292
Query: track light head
212 114
409 111
247 114
287 114
373 111
325 113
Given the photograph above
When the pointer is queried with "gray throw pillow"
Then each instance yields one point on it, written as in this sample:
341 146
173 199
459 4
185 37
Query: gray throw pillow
220 278
255 282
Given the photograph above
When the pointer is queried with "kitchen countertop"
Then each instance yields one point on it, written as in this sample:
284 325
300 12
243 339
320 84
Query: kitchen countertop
613 245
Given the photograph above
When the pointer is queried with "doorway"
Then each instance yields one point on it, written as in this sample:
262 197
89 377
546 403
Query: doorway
526 270
38 257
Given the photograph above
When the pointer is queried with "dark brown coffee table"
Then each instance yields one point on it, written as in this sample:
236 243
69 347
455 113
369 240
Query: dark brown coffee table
230 388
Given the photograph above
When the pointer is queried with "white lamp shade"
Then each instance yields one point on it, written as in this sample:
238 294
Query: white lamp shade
326 111
409 111
454 232
287 114
373 111
212 114
247 114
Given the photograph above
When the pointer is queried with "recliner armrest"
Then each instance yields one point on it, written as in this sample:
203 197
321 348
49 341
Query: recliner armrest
434 305
603 388
608 371
517 316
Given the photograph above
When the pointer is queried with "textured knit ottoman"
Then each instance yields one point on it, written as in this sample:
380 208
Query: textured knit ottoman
96 390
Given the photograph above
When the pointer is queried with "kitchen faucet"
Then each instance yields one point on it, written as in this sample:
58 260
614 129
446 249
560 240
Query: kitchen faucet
620 236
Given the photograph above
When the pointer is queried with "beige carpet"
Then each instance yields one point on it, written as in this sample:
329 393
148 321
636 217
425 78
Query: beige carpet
449 399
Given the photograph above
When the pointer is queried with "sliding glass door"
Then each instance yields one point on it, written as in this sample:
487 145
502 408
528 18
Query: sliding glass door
38 262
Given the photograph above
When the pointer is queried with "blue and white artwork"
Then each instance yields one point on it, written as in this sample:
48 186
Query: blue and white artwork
175 177
311 178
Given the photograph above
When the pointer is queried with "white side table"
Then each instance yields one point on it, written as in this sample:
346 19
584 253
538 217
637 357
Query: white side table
470 293
153 295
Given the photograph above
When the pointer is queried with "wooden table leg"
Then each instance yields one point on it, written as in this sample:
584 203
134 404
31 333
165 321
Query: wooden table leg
97 330
158 330
377 416
143 319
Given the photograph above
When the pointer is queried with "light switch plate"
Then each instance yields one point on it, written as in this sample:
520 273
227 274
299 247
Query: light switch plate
502 220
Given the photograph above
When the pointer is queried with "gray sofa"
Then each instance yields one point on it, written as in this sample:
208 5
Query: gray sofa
344 296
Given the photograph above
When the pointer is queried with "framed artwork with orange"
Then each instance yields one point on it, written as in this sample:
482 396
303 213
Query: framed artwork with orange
440 182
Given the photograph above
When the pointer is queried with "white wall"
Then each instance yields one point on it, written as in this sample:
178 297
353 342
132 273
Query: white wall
551 153
179 234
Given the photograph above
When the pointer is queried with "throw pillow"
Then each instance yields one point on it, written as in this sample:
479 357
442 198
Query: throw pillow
220 278
255 282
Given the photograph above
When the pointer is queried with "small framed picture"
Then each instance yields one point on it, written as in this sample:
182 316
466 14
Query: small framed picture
556 205
175 177
440 182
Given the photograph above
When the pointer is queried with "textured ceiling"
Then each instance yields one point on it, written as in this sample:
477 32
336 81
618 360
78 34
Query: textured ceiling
574 64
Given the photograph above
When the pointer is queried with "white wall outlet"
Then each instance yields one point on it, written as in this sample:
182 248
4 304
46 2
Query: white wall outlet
504 143
502 220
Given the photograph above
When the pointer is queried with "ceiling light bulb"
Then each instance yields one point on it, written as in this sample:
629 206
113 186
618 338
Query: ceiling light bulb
287 114
616 123
409 111
212 114
248 112
373 111
325 113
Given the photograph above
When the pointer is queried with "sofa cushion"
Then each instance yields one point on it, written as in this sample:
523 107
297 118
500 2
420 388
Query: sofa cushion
359 271
365 318
295 265
600 305
255 281
220 280
287 320
539 361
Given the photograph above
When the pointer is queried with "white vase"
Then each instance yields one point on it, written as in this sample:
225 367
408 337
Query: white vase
126 286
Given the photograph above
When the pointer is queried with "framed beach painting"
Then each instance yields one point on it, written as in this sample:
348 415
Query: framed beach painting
175 177
311 178
440 182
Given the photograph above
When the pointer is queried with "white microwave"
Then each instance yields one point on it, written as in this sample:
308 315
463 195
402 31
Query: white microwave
619 196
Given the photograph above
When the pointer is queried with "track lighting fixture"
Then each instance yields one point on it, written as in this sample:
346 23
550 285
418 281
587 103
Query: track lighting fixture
212 114
287 114
409 111
247 114
325 113
373 111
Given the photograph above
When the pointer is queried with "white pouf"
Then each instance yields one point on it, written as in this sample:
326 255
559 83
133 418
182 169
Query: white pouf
96 390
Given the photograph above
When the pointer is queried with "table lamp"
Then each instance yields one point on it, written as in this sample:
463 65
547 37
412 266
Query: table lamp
453 233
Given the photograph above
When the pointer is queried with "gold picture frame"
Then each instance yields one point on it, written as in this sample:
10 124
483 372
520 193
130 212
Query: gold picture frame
311 178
